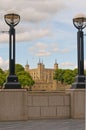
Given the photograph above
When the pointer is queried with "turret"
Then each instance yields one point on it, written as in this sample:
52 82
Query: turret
55 65
27 66
43 64
40 65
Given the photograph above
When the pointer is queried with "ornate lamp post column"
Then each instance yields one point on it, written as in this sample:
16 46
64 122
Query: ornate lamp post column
80 24
12 80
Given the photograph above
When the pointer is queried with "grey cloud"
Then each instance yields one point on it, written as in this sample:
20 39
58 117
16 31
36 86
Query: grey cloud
30 15
29 11
37 9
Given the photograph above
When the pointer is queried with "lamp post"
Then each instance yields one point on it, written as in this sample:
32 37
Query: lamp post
80 24
12 80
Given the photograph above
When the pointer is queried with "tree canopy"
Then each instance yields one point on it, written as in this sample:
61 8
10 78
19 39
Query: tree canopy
18 68
2 77
24 77
65 76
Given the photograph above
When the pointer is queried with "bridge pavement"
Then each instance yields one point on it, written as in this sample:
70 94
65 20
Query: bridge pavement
51 124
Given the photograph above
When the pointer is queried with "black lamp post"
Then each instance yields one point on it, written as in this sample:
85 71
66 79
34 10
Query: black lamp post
80 24
12 80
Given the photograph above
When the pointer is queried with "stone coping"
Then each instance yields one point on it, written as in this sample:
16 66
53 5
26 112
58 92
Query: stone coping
13 90
75 89
46 91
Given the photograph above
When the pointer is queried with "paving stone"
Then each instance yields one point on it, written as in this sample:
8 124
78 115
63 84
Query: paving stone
51 124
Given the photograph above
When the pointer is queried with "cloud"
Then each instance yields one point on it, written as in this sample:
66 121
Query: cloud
33 34
46 49
43 53
54 48
75 66
69 64
41 46
66 65
31 15
4 63
60 50
3 38
31 12
27 35
80 5
40 49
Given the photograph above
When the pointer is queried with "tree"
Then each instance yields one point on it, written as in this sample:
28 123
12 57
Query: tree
24 77
65 76
18 68
68 76
75 72
2 77
58 75
1 71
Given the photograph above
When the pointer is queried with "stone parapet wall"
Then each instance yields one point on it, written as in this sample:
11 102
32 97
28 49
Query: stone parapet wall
20 104
48 105
13 104
78 102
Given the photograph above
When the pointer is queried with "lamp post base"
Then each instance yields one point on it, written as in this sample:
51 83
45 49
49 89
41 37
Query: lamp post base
80 82
12 83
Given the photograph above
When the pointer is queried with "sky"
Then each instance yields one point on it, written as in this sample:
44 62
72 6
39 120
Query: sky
45 32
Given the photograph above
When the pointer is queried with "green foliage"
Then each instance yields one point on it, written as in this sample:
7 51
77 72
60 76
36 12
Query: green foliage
58 75
2 77
68 76
65 76
85 72
25 78
18 68
1 71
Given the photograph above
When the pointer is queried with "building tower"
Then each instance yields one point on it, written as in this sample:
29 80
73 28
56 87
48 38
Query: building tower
27 66
55 65
40 65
